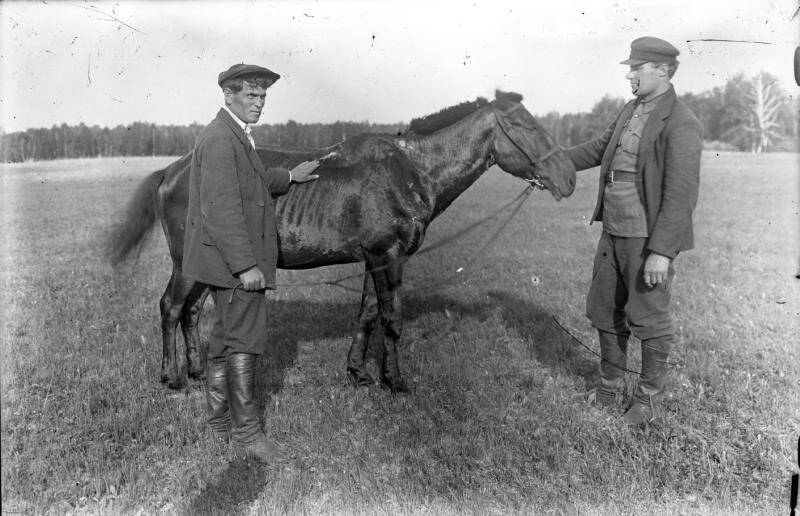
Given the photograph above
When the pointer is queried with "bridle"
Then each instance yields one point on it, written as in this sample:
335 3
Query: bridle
536 180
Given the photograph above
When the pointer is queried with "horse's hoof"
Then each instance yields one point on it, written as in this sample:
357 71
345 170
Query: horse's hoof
197 375
359 378
175 385
396 385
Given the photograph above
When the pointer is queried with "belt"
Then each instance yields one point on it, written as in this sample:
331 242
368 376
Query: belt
622 176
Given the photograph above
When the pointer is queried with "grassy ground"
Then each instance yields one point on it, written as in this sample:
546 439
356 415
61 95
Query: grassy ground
490 428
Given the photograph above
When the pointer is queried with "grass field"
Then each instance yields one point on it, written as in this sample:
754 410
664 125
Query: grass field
491 427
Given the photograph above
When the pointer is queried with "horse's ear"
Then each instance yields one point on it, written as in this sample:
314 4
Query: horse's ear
504 99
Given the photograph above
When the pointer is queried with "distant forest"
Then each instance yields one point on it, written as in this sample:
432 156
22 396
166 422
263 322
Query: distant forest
748 114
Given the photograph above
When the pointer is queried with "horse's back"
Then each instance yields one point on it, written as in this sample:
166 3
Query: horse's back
370 197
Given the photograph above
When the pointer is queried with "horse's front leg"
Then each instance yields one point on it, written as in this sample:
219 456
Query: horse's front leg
195 351
388 282
367 315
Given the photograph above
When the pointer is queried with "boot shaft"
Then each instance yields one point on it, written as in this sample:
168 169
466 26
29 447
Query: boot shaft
655 365
217 395
614 353
241 369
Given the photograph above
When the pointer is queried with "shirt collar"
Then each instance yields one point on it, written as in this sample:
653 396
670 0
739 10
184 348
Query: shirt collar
244 125
649 105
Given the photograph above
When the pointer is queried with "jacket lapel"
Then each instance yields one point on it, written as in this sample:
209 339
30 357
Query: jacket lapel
655 123
252 155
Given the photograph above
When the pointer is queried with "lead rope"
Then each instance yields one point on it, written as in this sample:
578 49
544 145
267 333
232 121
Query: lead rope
522 197
593 352
518 200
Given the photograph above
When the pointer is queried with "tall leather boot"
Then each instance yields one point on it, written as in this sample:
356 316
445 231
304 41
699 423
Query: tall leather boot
219 416
645 407
246 433
613 350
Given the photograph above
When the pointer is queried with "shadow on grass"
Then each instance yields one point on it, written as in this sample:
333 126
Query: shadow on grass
294 321
233 490
548 343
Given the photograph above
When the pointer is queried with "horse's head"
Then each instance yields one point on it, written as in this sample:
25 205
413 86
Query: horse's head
524 149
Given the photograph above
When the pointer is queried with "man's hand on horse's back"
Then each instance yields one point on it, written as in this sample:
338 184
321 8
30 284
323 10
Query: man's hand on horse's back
303 172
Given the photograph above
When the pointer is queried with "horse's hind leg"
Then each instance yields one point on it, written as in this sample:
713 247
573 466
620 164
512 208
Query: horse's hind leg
171 305
195 351
367 315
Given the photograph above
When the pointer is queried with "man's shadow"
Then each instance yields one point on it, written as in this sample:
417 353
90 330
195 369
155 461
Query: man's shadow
291 322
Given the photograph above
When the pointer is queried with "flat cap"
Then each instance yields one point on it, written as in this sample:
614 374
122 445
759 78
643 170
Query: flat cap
651 50
240 69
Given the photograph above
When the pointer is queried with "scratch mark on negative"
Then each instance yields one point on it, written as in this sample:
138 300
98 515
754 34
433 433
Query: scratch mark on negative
110 17
730 41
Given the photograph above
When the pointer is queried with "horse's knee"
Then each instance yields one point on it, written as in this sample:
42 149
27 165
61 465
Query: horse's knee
392 320
170 310
369 307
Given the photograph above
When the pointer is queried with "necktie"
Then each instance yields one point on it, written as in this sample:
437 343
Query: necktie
249 136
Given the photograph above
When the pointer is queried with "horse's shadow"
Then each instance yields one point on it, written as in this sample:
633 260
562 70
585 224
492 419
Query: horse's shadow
547 342
293 321
297 320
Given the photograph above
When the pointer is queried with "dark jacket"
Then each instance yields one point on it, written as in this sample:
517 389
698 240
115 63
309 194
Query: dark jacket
669 163
230 224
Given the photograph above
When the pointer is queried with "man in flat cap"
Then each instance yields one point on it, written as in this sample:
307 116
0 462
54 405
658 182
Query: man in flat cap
649 160
231 245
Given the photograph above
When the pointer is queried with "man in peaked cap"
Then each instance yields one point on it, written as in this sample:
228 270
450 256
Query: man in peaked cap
649 160
231 245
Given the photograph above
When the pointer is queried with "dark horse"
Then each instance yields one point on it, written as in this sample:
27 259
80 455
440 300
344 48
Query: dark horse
373 201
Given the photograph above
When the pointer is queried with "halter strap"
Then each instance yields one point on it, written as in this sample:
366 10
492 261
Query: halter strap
536 180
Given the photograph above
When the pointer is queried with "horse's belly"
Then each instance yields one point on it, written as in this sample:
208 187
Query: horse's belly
308 248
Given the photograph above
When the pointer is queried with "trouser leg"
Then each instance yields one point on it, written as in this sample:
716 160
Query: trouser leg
605 308
238 338
648 312
619 302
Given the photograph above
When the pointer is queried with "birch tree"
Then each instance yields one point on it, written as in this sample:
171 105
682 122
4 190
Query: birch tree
758 109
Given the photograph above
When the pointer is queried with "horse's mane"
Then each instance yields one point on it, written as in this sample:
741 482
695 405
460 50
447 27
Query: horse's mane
450 115
446 117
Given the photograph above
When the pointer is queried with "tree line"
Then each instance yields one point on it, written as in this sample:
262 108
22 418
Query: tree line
747 114
147 139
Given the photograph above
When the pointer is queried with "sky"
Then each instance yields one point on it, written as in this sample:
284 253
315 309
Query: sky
111 63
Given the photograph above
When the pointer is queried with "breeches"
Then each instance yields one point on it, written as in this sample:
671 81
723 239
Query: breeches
240 322
619 301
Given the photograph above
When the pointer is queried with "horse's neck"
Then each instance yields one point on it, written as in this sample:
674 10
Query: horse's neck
454 157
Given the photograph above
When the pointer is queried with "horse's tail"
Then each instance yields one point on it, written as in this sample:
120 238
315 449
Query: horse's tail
140 215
